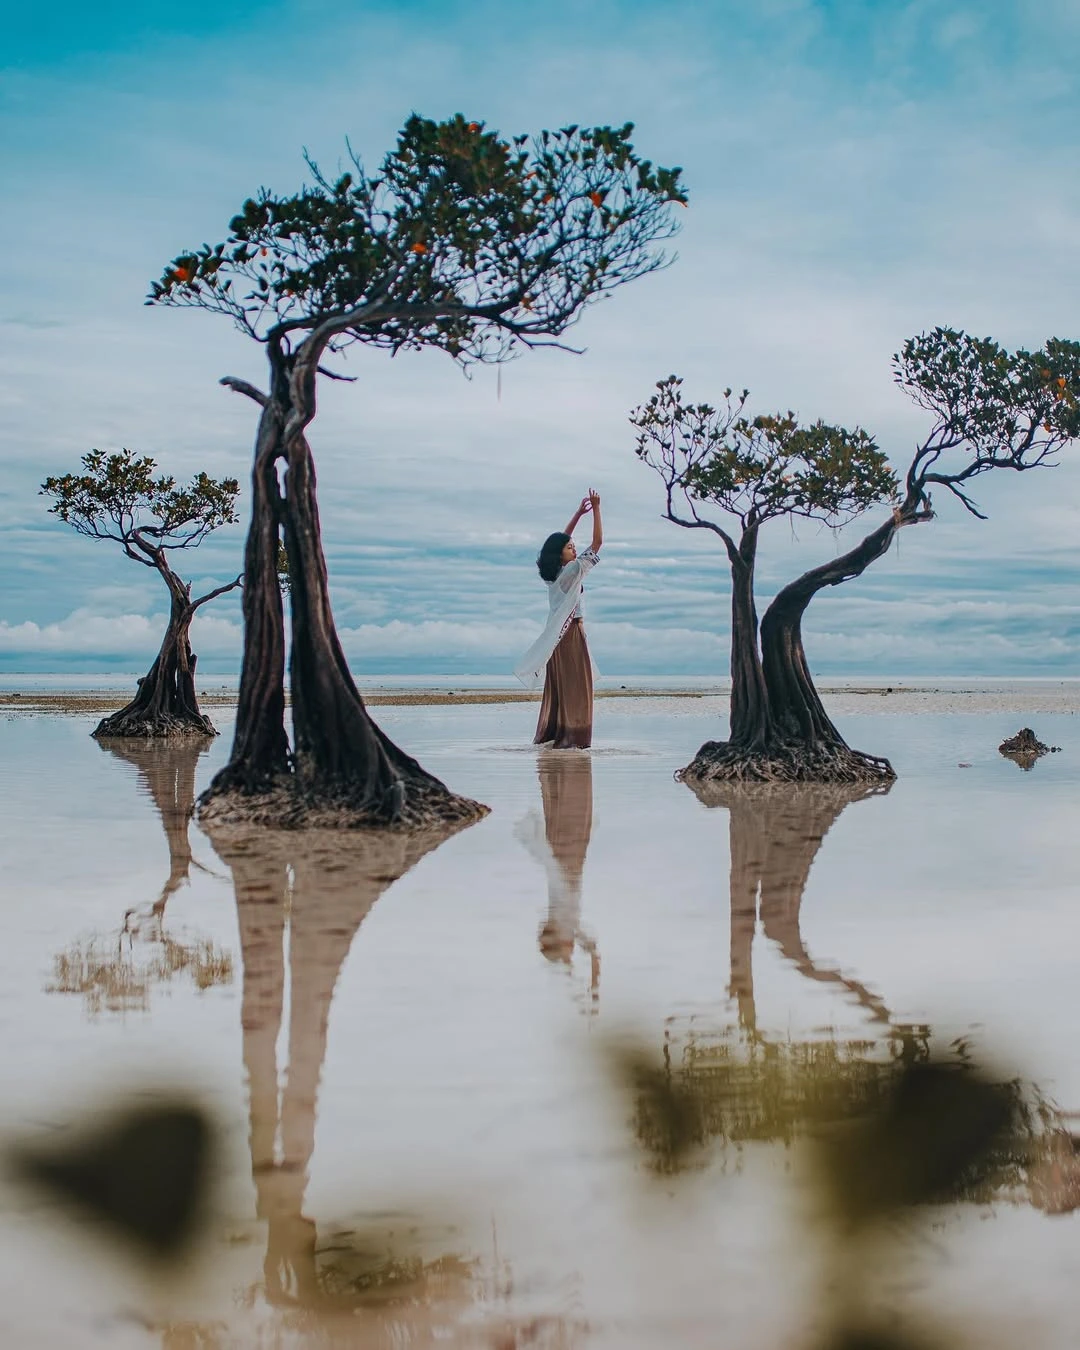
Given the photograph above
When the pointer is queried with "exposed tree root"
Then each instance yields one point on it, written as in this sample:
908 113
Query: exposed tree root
415 806
723 761
153 725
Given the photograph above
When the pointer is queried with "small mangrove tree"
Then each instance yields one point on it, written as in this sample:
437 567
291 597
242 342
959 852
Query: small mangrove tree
121 497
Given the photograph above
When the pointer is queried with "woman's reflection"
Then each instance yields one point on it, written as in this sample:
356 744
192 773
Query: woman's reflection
559 842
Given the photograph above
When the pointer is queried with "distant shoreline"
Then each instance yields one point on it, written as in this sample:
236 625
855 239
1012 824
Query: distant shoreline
104 700
1022 697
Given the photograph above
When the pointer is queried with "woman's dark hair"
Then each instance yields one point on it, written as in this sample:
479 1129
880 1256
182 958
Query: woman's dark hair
549 559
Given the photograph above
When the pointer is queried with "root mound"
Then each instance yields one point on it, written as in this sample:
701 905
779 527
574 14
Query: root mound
721 761
155 726
287 806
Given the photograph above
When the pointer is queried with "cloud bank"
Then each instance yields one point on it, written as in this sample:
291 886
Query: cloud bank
857 174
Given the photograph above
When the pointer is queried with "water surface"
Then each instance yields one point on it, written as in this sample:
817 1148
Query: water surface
408 1043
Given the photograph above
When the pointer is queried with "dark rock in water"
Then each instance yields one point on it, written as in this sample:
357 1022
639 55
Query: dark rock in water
1025 742
145 1172
1025 748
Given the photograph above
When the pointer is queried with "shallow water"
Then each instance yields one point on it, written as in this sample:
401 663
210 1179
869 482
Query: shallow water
410 1048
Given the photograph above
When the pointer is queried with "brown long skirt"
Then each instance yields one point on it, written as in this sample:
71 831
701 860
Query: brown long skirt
566 711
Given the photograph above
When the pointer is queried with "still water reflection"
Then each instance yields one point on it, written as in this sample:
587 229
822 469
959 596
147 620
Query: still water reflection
775 832
116 971
422 1040
301 898
559 840
735 1084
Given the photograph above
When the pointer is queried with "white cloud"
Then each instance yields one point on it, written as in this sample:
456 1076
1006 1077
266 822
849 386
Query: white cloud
851 183
121 635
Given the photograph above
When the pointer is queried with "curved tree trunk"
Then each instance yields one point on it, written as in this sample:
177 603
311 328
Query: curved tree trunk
804 729
341 757
166 704
343 770
749 721
799 742
260 750
797 710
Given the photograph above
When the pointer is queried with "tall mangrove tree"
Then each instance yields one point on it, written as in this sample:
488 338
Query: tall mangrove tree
463 241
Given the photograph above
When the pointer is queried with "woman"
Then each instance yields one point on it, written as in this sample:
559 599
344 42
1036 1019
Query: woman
560 656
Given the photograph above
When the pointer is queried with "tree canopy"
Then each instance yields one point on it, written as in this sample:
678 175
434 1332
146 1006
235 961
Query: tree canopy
122 497
992 409
462 240
756 468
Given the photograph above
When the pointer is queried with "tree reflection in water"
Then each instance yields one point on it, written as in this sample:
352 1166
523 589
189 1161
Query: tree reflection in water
116 972
559 841
775 833
736 1084
301 897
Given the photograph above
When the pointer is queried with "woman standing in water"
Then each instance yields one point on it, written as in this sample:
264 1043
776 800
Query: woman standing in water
560 656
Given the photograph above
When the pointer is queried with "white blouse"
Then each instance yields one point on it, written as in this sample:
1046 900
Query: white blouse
564 604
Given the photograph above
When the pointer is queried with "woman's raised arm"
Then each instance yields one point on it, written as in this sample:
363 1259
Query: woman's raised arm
583 510
597 523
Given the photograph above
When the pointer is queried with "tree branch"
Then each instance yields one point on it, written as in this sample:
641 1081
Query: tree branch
213 595
951 485
153 552
243 387
798 593
698 524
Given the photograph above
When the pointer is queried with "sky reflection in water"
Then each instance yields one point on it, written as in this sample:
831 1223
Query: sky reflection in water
423 1129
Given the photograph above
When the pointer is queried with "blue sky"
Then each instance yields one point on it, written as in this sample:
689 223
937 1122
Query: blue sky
858 172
